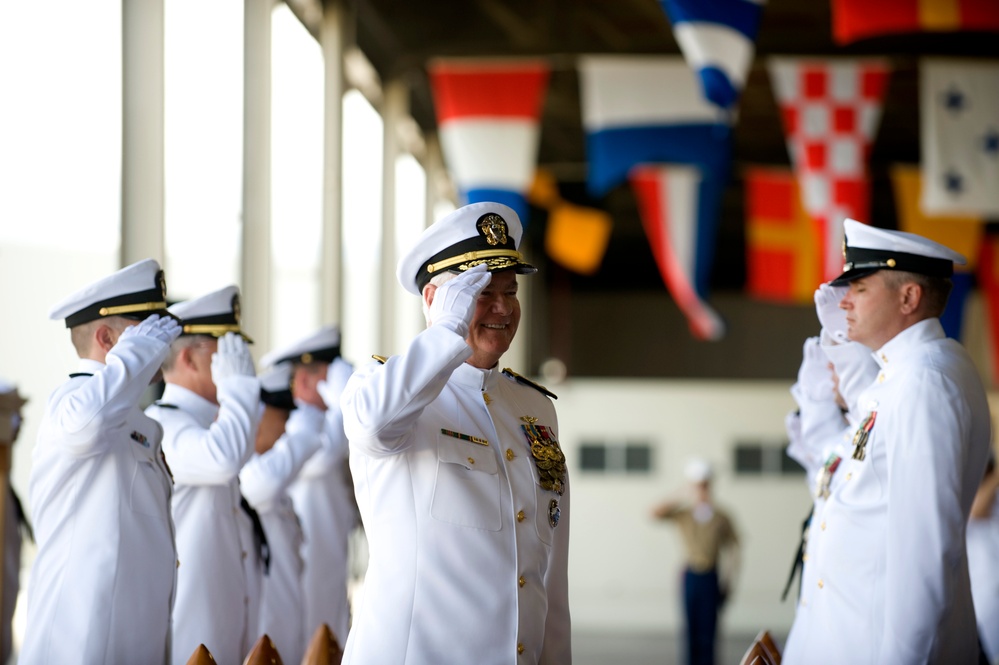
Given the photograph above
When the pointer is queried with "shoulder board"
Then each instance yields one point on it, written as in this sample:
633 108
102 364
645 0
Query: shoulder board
527 382
381 359
76 374
164 405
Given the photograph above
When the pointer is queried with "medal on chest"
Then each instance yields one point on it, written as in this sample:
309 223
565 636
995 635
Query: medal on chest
825 476
547 455
863 433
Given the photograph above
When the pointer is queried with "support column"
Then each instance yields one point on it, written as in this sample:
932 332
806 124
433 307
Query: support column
255 271
395 108
332 42
142 170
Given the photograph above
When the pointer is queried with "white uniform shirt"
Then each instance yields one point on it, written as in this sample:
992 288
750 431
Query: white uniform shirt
102 584
983 565
889 553
323 495
264 480
218 581
465 565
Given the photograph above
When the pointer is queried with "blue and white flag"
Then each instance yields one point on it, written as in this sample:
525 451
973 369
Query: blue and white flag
648 110
717 38
959 116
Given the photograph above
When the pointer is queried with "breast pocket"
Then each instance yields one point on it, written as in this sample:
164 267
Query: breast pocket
147 493
467 487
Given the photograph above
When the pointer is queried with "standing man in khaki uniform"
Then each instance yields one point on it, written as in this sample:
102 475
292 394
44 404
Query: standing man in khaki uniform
712 560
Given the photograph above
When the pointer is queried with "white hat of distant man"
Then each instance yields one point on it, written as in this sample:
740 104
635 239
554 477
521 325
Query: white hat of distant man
213 314
275 387
488 233
134 292
869 249
321 346
697 470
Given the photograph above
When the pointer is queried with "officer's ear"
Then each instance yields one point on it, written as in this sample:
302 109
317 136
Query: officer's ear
428 295
105 337
910 296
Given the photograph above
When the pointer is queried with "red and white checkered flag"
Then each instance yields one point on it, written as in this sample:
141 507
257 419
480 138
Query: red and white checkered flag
831 110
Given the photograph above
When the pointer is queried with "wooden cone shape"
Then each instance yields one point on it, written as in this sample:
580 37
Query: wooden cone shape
201 656
323 648
263 653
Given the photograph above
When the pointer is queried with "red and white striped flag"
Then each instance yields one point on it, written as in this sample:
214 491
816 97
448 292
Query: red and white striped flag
831 110
487 113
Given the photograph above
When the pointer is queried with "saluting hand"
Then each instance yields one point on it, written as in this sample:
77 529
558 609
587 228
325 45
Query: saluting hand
832 318
454 301
232 359
332 387
164 328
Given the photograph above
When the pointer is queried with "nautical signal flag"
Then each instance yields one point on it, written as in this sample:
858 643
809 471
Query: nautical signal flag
831 110
782 242
576 237
860 19
959 119
717 39
668 201
487 115
649 109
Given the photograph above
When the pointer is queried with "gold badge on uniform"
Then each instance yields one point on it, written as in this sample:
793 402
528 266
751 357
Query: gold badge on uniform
547 455
863 433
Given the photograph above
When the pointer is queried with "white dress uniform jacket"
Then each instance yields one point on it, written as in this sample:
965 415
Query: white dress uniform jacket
889 553
219 577
983 565
102 584
465 563
264 481
323 495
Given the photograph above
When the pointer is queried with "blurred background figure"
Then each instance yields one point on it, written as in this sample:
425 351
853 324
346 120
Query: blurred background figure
11 403
983 560
711 548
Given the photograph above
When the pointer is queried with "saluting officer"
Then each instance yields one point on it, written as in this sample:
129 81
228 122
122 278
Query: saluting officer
323 492
889 553
286 438
209 413
102 584
457 469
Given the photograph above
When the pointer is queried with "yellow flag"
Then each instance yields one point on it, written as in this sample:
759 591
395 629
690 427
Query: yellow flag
577 237
962 234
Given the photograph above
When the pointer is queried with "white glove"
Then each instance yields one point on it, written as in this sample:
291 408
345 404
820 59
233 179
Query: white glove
232 359
815 378
337 375
832 318
454 301
164 328
305 419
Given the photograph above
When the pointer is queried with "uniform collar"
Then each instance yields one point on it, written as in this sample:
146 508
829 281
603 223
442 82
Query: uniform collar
902 344
88 366
204 412
473 378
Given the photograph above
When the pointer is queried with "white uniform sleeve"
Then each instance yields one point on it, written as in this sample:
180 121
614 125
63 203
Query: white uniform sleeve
557 648
265 476
212 456
925 537
821 425
856 369
103 400
381 403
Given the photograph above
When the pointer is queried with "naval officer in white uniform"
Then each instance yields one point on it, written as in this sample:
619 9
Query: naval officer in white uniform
323 492
889 553
457 469
286 438
209 412
102 585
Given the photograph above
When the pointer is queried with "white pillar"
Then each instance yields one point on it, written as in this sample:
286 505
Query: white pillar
331 40
256 256
395 109
142 131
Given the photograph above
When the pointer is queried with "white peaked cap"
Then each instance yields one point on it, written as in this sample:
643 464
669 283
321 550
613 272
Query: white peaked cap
135 291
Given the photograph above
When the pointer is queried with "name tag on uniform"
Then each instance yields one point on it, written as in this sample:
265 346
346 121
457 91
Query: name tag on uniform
465 437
